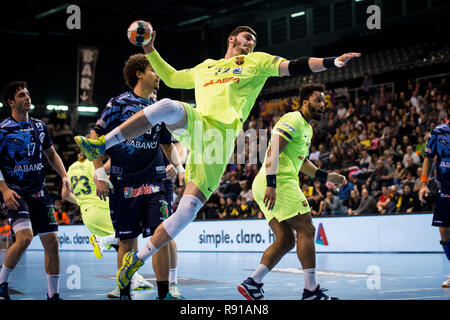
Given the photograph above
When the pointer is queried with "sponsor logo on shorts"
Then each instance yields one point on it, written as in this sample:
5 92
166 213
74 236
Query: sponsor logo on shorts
304 203
300 157
164 209
51 214
129 192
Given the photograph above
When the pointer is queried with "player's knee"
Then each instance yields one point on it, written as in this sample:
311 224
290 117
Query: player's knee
309 230
288 241
24 242
51 244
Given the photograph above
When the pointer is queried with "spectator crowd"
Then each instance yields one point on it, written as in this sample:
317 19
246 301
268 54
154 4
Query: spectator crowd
376 139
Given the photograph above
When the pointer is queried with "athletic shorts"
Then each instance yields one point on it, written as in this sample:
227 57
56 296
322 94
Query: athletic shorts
211 143
289 202
442 211
98 220
38 208
137 207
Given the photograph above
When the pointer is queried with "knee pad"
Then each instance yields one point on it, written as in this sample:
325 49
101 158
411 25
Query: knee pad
168 111
186 212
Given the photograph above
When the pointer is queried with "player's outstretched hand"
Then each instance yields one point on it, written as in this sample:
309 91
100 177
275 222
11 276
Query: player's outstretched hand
346 57
336 179
270 196
423 192
149 47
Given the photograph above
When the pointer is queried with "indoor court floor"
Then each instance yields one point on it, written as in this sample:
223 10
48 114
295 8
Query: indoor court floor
215 275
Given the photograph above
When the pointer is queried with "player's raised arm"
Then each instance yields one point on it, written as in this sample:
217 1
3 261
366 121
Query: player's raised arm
311 170
307 65
178 79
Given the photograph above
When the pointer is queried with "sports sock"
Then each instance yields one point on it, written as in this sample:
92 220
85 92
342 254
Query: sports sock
111 239
53 284
147 251
163 289
259 273
114 137
310 279
173 275
4 274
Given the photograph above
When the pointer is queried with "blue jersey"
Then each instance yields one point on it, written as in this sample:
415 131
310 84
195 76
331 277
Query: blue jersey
21 160
134 159
439 144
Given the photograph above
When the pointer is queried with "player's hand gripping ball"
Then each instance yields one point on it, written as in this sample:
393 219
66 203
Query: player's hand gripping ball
140 33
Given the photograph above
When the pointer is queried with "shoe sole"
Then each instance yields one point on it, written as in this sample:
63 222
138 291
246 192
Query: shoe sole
244 292
142 288
97 251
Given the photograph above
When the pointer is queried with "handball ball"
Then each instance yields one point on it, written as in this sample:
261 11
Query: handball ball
140 33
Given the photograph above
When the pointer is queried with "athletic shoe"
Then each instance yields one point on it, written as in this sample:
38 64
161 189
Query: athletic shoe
316 294
174 292
4 295
251 290
92 148
130 264
54 297
139 283
97 243
446 283
114 293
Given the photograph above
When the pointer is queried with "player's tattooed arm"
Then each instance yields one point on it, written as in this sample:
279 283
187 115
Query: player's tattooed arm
276 147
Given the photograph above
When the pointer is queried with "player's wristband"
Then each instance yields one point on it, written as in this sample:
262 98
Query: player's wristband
271 180
1 176
332 62
101 175
321 175
180 169
424 178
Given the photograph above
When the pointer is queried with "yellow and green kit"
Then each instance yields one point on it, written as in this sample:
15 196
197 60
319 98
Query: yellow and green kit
94 212
225 93
290 200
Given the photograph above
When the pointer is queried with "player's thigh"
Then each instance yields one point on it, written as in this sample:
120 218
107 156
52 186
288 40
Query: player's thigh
154 211
283 231
125 209
98 220
441 215
42 213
